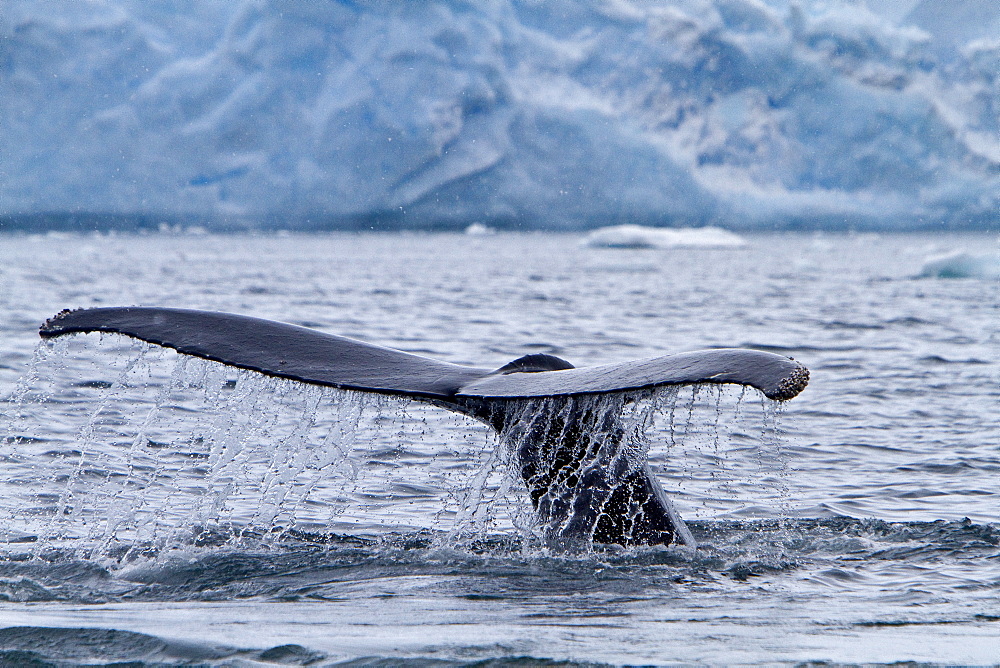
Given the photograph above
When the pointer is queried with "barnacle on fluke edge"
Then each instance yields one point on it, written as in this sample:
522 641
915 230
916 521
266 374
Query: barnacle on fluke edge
791 386
50 326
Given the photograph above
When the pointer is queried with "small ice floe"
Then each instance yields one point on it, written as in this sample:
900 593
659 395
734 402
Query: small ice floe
479 230
961 265
638 236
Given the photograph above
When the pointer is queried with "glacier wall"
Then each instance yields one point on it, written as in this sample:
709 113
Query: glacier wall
560 114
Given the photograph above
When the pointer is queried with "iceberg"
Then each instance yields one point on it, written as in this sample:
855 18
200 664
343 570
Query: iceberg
638 236
569 114
479 230
961 264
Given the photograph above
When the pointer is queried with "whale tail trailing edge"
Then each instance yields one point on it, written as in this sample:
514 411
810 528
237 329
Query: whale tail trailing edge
568 445
310 356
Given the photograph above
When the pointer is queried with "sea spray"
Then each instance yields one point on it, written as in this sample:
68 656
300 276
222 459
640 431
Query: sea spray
694 435
151 460
172 450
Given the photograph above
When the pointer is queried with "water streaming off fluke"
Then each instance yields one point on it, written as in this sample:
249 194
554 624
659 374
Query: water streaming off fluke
162 450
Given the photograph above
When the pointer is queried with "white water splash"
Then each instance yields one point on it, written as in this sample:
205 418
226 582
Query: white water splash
166 450
718 453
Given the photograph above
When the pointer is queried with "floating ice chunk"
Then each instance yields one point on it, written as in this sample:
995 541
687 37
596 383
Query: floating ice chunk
638 236
961 265
479 230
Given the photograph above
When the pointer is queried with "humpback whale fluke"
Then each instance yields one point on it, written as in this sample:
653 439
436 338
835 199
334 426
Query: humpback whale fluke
568 448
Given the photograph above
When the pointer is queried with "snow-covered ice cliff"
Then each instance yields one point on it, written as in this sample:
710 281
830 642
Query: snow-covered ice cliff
316 113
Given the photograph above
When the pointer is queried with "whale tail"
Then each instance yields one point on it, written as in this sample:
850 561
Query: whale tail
563 423
583 461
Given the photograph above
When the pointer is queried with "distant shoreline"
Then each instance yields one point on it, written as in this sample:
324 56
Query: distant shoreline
145 223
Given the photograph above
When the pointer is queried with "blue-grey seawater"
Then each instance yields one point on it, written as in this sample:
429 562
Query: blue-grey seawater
162 510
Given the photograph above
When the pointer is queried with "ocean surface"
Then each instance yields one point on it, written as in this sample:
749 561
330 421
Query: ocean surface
158 509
